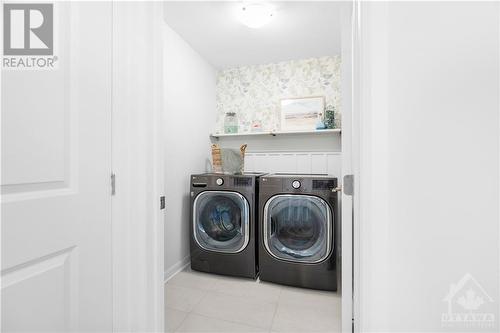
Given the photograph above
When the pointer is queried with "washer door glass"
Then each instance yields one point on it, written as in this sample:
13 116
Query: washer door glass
221 221
298 228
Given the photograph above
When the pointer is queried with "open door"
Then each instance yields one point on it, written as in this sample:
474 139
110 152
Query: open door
56 195
349 163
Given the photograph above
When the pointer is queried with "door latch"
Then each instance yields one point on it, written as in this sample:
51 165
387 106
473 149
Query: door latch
113 184
349 185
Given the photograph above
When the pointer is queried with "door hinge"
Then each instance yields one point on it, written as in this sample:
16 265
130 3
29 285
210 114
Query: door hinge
349 185
113 184
162 202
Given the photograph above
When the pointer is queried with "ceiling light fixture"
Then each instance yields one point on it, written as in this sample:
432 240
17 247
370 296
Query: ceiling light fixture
256 15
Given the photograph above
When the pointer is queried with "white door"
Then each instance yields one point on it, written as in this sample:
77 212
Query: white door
350 166
56 164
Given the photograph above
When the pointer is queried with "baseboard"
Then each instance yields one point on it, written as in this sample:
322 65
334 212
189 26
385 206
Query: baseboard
177 267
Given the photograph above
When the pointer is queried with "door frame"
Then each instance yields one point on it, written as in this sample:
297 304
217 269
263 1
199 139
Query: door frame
138 281
351 102
137 163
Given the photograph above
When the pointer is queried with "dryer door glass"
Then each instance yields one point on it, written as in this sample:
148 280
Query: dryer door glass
221 221
298 228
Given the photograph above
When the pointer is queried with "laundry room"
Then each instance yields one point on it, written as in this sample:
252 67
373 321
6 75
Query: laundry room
256 109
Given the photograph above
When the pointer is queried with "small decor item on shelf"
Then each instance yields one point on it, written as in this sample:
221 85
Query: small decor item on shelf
230 123
320 125
245 126
228 161
330 117
256 126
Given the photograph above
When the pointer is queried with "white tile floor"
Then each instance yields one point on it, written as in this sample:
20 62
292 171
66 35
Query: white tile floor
200 302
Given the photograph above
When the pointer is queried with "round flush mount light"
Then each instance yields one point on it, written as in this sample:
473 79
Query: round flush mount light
256 15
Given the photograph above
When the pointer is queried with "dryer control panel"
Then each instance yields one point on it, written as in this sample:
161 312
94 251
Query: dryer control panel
299 183
221 182
296 184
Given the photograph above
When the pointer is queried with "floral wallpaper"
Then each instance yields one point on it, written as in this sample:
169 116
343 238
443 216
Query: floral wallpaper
254 92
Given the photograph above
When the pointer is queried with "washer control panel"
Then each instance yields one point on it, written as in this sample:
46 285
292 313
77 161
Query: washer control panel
296 184
219 181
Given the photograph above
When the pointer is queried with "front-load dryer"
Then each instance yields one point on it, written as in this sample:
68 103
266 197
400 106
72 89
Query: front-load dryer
297 230
223 222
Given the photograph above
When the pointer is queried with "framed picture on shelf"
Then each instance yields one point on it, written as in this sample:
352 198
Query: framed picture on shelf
301 114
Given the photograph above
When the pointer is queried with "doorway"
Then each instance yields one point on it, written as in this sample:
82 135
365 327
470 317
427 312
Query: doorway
199 73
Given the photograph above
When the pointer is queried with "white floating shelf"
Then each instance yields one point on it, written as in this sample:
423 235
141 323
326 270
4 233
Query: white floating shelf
314 132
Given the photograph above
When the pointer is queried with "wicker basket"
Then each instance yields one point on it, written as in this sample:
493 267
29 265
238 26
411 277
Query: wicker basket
228 161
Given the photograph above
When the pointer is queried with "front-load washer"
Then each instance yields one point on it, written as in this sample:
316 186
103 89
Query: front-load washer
297 218
223 223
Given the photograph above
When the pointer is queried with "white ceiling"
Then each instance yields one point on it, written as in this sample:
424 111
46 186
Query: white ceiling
298 30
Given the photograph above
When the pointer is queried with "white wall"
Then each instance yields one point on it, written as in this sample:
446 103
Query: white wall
429 161
189 115
137 163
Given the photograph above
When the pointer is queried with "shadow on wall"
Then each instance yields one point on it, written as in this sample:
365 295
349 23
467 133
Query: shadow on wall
189 106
